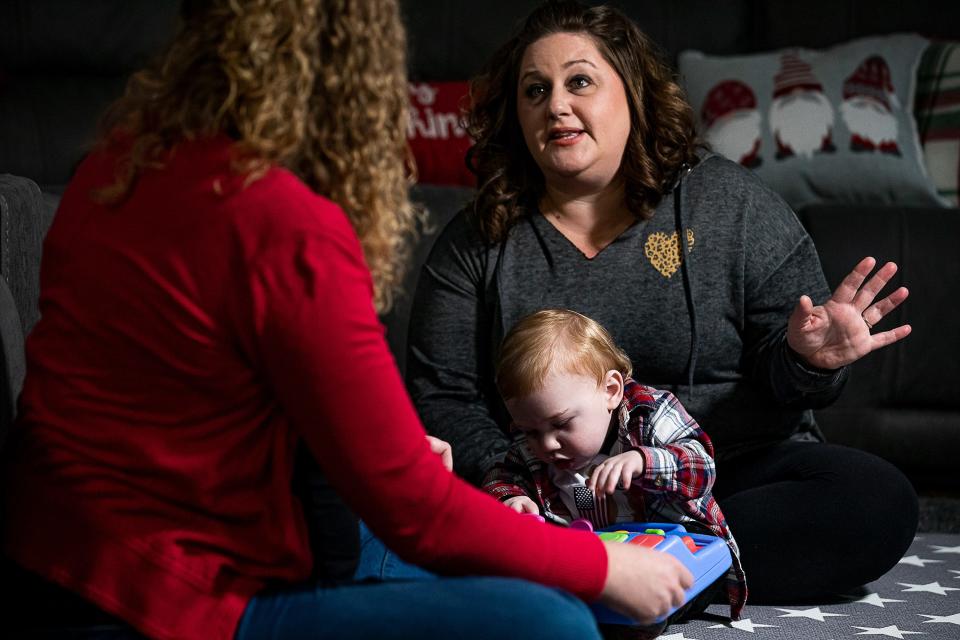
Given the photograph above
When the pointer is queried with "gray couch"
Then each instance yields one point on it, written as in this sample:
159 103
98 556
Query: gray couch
62 62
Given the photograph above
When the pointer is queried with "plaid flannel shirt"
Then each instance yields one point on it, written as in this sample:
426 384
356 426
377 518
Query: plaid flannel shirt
675 484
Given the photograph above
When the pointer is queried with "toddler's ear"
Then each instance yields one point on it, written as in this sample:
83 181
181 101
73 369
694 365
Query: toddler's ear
613 388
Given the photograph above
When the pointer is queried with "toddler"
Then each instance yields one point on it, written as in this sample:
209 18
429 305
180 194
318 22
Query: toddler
593 443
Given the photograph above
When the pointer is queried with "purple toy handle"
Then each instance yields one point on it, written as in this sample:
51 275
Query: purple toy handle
582 524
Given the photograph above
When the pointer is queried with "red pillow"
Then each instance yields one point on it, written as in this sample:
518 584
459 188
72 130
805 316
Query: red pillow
438 141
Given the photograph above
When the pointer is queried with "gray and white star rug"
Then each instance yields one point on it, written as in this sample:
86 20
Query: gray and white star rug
919 599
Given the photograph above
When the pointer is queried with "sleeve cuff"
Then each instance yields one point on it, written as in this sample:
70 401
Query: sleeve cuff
656 474
807 376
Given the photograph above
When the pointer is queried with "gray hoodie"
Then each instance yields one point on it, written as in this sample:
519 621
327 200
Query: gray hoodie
710 328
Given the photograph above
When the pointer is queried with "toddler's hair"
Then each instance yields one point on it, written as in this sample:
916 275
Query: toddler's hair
556 340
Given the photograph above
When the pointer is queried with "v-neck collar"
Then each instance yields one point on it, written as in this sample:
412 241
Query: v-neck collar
547 229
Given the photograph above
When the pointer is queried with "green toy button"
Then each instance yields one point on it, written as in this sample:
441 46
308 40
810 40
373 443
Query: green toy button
614 536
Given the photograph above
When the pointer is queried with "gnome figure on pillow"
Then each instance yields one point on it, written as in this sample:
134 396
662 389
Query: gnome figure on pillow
867 109
731 122
801 116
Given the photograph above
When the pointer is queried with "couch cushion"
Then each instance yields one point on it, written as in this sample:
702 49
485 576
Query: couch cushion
922 370
921 442
24 217
833 125
901 402
12 360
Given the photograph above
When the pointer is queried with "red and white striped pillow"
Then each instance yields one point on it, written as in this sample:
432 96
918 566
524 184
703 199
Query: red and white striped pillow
937 110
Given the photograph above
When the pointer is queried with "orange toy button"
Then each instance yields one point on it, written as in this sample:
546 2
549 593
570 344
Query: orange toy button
687 540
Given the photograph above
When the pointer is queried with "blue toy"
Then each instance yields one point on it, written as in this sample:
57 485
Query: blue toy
707 557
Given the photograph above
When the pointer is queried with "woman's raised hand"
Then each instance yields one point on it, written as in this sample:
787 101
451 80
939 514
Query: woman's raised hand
838 332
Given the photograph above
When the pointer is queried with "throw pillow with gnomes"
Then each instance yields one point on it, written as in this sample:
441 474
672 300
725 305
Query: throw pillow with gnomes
869 106
818 126
801 116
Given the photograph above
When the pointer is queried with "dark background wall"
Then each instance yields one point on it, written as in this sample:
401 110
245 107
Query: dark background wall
62 61
449 38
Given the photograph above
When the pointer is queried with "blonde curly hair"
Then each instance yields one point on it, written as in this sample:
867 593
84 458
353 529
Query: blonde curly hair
316 86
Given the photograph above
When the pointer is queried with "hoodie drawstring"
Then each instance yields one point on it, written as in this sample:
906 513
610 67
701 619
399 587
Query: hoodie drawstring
687 290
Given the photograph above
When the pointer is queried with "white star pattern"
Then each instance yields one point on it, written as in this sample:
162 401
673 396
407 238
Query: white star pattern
917 561
930 587
893 631
876 600
954 619
918 599
743 625
813 614
940 549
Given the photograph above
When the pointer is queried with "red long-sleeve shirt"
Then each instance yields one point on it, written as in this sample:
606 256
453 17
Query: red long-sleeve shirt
188 338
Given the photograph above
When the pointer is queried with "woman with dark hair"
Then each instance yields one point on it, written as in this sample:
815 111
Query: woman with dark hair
206 306
594 195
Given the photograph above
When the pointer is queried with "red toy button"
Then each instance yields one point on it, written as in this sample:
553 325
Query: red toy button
646 540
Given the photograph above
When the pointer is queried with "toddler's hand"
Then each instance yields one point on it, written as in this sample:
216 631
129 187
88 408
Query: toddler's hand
620 469
522 504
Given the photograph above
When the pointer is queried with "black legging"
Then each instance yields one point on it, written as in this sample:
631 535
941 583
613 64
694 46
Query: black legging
815 520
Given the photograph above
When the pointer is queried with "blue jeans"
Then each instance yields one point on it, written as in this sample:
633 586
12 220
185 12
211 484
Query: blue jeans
379 563
391 598
462 608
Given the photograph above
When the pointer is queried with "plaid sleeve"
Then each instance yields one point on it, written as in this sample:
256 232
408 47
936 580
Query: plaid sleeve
677 454
512 477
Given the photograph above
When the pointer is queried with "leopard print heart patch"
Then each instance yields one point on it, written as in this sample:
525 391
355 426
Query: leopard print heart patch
663 251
